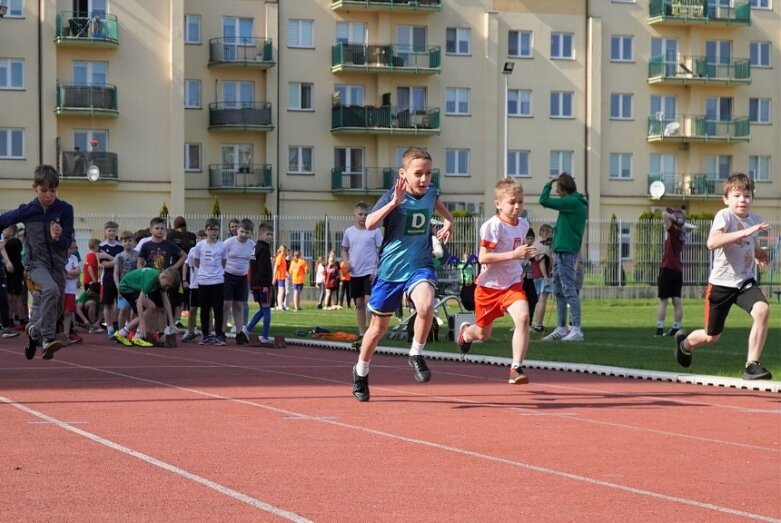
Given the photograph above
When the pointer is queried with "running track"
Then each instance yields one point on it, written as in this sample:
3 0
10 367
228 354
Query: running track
105 433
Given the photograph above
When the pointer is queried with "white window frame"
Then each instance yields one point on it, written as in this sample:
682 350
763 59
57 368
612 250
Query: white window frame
560 162
300 96
759 168
519 163
624 103
457 101
83 139
719 164
457 162
350 94
519 103
7 137
761 4
352 33
301 33
558 45
237 95
192 166
557 100
621 166
15 8
462 40
8 65
763 110
189 85
297 153
763 51
188 37
521 39
93 70
621 41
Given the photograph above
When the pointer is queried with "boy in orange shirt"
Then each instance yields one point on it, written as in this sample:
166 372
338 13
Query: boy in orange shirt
298 270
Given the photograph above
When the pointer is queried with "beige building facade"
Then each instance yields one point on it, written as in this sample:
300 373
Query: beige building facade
303 107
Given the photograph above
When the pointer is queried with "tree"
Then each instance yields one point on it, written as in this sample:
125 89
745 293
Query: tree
649 247
613 259
216 208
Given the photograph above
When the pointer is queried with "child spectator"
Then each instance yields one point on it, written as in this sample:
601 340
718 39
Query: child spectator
146 290
732 239
261 276
190 284
499 285
344 284
320 280
670 283
124 262
72 272
88 308
528 279
238 251
49 233
298 270
332 276
5 316
541 272
108 249
209 261
91 264
280 276
406 265
15 279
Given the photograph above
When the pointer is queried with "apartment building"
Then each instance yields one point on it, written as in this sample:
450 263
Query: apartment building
303 107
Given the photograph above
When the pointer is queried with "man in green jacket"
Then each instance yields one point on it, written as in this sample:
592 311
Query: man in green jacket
567 239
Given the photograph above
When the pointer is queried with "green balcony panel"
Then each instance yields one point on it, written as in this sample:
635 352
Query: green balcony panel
241 177
91 99
74 164
698 12
96 29
385 119
385 58
241 116
421 6
241 52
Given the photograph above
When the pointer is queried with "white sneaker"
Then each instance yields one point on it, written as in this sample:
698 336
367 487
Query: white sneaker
574 335
559 333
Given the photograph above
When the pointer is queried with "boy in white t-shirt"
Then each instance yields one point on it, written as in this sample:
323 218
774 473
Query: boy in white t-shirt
732 239
239 250
500 285
72 272
209 260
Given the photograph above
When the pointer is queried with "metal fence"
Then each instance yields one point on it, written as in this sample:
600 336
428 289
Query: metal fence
616 253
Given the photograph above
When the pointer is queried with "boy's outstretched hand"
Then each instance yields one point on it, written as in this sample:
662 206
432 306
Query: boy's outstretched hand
398 192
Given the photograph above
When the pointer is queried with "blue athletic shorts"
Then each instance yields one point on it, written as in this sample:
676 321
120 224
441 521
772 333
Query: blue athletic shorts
386 295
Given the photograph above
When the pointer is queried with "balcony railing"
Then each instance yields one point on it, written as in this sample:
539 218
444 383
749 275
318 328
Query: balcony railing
368 180
388 5
386 119
697 70
241 52
698 12
385 58
246 177
240 116
99 30
74 164
688 184
689 128
91 99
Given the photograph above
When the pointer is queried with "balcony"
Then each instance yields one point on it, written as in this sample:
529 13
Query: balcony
386 119
74 165
698 12
90 31
424 6
232 177
370 181
240 116
683 185
698 128
695 70
87 100
385 59
241 52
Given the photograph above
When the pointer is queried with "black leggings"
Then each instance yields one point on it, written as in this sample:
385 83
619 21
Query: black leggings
211 297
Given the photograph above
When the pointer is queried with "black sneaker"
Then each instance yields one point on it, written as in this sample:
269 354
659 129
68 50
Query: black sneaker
463 346
241 338
673 331
32 343
360 386
755 371
659 331
684 358
419 367
50 347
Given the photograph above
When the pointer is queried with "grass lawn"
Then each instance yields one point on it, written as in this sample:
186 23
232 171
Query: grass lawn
618 333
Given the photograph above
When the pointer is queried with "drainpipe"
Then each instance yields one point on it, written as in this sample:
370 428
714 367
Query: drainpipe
586 98
40 82
279 110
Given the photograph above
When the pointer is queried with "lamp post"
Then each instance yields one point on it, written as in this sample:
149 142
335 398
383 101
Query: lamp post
507 70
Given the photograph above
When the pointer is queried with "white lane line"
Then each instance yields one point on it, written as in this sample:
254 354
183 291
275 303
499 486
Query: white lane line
222 489
454 450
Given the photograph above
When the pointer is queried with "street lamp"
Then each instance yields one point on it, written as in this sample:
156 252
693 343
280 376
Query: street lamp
506 71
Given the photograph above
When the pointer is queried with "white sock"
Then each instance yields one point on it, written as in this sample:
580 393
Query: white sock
416 349
676 325
516 364
362 368
660 325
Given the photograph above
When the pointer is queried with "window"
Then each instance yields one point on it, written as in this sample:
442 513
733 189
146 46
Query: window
457 100
15 8
518 163
237 95
760 4
11 73
625 238
620 106
192 94
759 168
303 241
353 33
663 167
519 102
666 49
621 48
192 29
620 166
349 160
300 33
457 40
520 44
349 94
664 108
411 98
90 140
86 73
299 96
192 157
561 104
11 143
720 165
759 54
456 162
759 110
561 46
560 162
299 160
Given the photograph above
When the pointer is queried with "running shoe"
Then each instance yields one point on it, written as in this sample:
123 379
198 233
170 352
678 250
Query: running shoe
10 333
683 356
138 341
755 371
360 386
517 377
32 342
122 339
190 336
463 346
50 347
556 335
420 368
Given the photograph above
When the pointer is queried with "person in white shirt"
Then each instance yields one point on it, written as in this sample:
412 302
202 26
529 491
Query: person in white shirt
239 250
209 259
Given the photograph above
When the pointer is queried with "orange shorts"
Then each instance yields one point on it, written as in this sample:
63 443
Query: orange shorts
491 304
69 302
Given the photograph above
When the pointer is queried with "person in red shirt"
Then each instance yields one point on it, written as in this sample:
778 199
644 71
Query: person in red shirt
91 266
671 271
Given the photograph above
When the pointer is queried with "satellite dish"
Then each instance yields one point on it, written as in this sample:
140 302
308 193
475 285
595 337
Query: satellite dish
656 189
93 173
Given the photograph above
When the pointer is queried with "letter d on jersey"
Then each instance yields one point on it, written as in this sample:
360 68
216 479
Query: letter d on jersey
417 223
